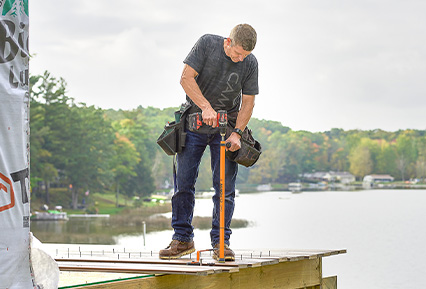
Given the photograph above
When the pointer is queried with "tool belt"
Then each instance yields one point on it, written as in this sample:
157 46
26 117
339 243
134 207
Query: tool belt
250 149
172 139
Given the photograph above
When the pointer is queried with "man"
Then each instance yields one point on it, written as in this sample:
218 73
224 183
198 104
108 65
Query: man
219 74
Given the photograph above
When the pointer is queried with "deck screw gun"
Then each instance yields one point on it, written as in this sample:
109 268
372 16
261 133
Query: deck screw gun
195 122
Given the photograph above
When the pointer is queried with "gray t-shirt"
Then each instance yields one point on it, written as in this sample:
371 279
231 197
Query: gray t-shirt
221 80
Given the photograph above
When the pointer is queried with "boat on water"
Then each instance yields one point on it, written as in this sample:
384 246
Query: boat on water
264 187
50 215
295 187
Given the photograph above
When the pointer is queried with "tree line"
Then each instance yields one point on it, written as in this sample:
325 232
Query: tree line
85 148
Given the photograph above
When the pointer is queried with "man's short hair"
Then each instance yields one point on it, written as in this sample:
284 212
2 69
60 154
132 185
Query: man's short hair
244 35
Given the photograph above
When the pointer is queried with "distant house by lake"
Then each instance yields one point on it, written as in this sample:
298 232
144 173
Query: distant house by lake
339 177
378 178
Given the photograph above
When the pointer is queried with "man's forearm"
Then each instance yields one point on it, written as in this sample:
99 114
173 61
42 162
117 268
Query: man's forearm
243 118
192 89
245 112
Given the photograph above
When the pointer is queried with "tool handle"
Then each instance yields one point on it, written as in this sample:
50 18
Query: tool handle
222 121
196 120
222 118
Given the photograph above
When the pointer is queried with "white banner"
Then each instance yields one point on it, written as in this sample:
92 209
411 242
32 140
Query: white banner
15 269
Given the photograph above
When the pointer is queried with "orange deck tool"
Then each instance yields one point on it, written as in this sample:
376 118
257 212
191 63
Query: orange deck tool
223 122
222 119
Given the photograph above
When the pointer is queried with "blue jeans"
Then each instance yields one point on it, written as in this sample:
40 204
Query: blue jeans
183 200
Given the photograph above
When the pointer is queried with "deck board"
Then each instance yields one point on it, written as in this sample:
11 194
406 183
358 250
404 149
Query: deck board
113 260
138 268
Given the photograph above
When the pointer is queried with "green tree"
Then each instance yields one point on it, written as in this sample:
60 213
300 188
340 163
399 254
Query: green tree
136 128
360 161
421 159
124 162
386 159
95 149
43 171
160 165
406 154
87 151
79 140
300 154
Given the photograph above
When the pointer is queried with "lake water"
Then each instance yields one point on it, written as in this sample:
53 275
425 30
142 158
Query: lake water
383 231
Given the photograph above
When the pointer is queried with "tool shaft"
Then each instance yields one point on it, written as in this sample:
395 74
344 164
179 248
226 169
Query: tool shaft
222 203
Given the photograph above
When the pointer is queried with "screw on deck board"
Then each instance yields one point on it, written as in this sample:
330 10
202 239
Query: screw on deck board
129 255
260 254
118 256
91 253
269 253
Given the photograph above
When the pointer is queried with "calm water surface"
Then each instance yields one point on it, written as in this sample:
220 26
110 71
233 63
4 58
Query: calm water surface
382 230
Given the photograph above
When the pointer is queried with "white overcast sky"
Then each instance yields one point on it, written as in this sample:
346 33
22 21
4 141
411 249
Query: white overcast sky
323 64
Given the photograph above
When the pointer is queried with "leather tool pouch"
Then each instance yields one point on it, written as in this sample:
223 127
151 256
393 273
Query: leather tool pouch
172 139
249 152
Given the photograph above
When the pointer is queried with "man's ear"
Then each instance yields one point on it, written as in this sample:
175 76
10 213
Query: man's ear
228 41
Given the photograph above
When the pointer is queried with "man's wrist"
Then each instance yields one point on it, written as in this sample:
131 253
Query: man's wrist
238 131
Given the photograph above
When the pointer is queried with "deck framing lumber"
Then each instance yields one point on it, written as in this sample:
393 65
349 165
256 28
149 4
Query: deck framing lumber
286 275
329 282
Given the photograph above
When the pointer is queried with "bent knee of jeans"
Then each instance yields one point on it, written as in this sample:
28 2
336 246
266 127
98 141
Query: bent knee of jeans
184 192
230 196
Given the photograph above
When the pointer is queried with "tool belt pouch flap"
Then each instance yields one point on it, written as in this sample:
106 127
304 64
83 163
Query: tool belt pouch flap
249 152
172 139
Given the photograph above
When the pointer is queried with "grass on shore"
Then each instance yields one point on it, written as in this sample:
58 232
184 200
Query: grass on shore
127 216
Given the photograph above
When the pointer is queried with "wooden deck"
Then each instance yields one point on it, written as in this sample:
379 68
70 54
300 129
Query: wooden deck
96 266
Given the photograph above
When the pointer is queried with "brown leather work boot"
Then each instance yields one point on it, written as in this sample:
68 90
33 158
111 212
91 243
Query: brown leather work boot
177 249
229 254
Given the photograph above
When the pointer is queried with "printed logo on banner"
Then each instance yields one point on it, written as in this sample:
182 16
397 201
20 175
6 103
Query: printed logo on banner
12 45
7 195
13 7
